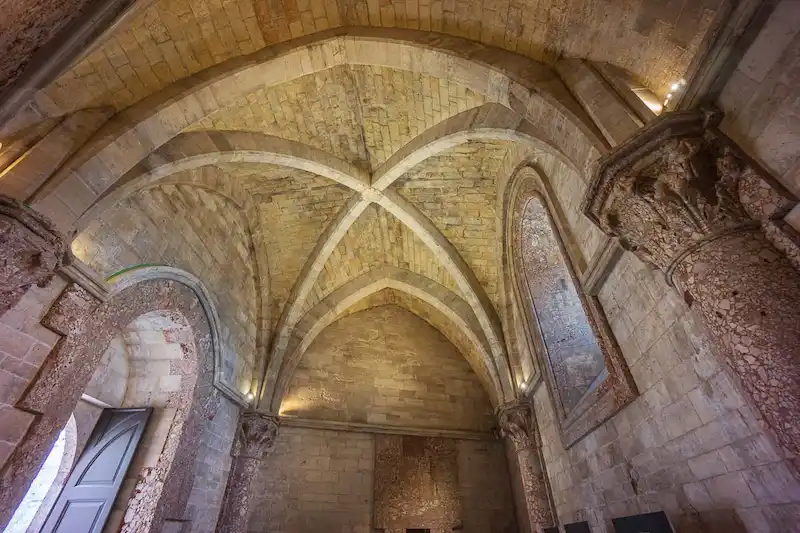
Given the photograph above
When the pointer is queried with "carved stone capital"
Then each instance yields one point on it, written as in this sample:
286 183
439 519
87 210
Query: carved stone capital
31 250
517 423
676 186
256 435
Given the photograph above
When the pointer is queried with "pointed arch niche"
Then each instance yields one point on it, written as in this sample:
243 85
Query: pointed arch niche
577 354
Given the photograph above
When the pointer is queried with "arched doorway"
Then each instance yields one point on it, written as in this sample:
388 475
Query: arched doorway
185 393
152 362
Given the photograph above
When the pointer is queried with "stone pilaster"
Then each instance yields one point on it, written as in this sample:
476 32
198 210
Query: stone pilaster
255 439
31 250
518 425
684 198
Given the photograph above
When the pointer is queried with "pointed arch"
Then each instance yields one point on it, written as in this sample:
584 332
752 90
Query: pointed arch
457 311
613 387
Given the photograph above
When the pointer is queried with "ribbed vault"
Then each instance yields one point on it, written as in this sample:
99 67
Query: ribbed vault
358 163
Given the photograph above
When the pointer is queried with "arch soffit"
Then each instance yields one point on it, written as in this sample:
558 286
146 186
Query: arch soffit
133 277
505 78
526 182
334 306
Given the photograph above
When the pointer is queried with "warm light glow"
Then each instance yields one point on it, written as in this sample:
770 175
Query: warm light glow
669 96
293 405
655 107
250 397
675 86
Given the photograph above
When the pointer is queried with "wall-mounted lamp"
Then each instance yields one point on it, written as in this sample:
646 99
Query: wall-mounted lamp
678 85
250 397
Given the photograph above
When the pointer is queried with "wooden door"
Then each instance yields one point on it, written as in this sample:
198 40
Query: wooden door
86 500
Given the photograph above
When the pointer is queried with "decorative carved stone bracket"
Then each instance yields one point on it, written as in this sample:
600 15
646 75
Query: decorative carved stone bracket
684 198
679 185
31 250
517 423
256 435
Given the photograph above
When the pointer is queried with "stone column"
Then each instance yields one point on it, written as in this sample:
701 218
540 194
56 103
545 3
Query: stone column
518 425
684 198
255 439
31 250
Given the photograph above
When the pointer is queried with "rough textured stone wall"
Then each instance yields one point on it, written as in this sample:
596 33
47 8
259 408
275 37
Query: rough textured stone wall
26 26
195 230
569 186
761 99
689 442
315 481
110 380
319 480
212 466
387 366
574 353
416 484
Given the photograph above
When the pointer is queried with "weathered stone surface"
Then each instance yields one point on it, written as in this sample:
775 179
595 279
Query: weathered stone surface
202 231
31 250
684 199
166 42
583 364
518 424
88 328
29 25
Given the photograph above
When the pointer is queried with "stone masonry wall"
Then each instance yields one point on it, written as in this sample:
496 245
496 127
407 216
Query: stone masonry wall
315 481
483 478
320 480
762 100
173 39
387 366
24 345
212 466
689 442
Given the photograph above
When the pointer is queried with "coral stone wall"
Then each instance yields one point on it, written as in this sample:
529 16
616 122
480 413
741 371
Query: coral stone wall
386 365
26 26
319 480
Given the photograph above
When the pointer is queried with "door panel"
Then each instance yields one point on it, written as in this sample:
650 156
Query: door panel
87 498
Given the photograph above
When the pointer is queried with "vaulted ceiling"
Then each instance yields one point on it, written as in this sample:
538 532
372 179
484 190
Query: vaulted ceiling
306 181
171 39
